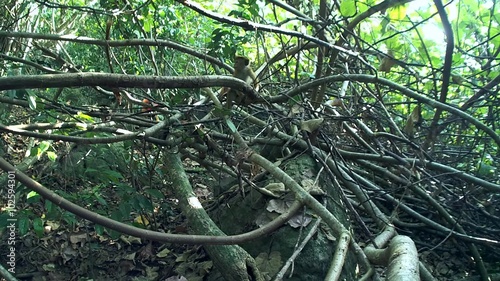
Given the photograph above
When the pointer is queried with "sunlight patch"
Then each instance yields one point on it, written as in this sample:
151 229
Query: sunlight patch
194 202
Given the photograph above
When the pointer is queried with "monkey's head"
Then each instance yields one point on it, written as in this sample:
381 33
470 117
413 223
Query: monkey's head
241 62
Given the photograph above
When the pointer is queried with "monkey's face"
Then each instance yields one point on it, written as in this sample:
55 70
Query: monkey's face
240 63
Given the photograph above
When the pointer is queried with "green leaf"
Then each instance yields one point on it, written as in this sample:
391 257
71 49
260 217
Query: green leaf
100 199
49 206
69 218
38 226
84 117
154 193
125 209
364 5
118 216
32 197
397 13
458 59
99 229
23 224
348 8
52 156
486 170
145 203
4 216
148 24
113 176
44 146
90 170
135 203
231 126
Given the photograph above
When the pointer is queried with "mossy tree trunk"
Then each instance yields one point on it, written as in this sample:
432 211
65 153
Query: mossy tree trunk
233 262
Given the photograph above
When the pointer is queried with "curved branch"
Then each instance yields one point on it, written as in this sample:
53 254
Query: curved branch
347 32
169 82
252 26
429 164
434 127
403 90
143 233
117 43
122 81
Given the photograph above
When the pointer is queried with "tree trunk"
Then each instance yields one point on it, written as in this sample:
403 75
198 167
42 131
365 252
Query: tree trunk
232 261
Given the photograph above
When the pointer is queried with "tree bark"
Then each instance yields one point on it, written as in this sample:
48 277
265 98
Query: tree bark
232 261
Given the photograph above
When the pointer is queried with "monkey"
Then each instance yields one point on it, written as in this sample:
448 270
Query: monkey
242 71
149 108
118 96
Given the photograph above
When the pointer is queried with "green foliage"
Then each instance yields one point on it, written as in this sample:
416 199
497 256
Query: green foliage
348 8
227 41
397 13
23 221
33 218
141 202
155 193
4 216
118 180
38 227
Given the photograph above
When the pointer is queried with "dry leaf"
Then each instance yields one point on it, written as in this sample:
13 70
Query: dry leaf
413 120
311 125
387 62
